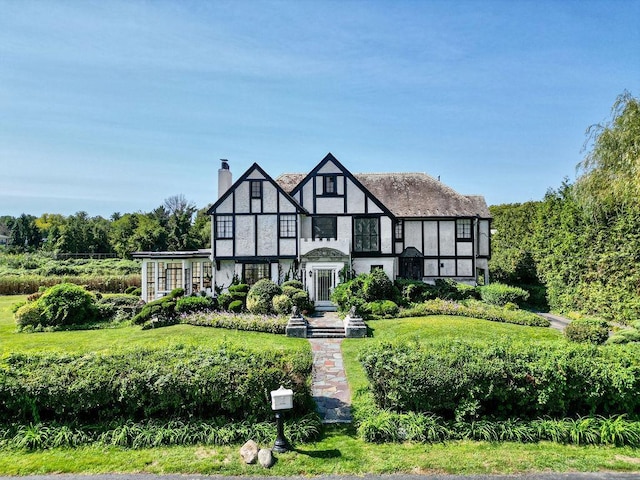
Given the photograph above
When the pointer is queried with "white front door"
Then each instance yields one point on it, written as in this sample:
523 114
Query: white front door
323 280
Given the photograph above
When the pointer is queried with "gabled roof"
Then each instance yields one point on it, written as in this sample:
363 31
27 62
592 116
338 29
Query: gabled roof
409 194
243 177
288 180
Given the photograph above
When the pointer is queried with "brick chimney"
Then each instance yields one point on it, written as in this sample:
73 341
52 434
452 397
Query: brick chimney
224 177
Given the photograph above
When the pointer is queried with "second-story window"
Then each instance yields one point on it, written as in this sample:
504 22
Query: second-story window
256 189
399 230
330 185
365 234
224 226
463 229
287 226
324 227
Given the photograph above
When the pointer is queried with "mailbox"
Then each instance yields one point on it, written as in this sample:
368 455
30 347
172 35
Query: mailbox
282 399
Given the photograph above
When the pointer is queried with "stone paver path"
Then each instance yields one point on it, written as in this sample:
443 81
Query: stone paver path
329 385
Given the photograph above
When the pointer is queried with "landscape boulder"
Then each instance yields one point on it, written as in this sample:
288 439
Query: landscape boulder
265 457
249 452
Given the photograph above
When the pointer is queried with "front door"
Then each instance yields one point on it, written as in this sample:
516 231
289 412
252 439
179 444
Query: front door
323 280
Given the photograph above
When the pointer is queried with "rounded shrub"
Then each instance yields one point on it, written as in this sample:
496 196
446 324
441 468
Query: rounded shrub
67 304
282 304
239 288
377 286
293 283
626 335
587 330
301 300
28 315
500 294
381 309
260 296
236 306
194 304
224 299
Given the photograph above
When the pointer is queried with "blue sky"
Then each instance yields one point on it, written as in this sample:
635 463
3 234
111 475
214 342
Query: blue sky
112 106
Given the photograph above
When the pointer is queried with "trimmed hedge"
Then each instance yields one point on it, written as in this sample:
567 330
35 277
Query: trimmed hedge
475 309
501 380
238 321
184 383
26 284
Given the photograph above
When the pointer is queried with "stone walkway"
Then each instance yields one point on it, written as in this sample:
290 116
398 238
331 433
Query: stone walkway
329 385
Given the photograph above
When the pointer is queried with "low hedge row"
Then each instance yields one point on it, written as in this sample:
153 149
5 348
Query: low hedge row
475 309
502 380
154 433
383 426
26 284
238 321
182 383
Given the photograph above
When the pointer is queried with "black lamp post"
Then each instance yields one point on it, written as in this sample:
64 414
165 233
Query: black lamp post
281 399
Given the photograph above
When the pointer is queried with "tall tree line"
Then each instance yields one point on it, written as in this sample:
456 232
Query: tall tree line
175 225
582 241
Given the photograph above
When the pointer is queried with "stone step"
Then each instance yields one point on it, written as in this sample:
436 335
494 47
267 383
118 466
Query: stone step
325 332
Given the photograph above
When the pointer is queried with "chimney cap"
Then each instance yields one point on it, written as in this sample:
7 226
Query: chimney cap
225 164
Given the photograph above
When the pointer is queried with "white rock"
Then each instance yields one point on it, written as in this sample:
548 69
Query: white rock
265 457
249 452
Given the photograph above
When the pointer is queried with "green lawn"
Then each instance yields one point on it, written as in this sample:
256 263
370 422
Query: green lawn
339 451
127 336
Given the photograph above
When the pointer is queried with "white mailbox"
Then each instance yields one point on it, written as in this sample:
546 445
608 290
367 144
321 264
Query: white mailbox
282 399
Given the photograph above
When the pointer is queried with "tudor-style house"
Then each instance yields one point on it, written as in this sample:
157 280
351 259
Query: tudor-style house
318 225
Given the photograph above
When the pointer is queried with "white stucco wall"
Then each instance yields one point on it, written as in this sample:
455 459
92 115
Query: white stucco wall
344 228
430 238
245 235
372 207
355 198
285 205
226 206
413 234
465 268
267 235
288 246
447 238
329 167
330 205
431 268
242 197
224 276
447 267
386 235
483 239
223 248
465 248
269 198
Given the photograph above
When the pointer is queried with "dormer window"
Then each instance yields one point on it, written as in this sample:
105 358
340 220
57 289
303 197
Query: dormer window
330 185
256 189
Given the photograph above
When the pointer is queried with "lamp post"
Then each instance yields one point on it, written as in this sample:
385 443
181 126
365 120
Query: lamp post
281 399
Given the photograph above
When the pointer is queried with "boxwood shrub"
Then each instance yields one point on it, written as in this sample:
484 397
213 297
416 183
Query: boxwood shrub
587 330
260 296
500 294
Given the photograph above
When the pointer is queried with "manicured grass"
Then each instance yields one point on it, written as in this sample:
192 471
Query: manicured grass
129 336
339 451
